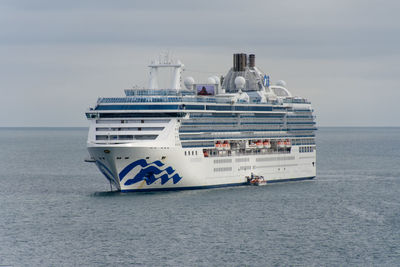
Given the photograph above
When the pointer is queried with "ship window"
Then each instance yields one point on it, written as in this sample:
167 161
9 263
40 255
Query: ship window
185 153
192 153
145 137
125 137
101 137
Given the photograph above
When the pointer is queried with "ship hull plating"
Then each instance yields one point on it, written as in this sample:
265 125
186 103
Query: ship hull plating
166 168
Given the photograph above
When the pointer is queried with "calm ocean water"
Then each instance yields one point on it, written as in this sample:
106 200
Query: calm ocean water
56 209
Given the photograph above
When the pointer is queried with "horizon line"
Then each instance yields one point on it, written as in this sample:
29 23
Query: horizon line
324 126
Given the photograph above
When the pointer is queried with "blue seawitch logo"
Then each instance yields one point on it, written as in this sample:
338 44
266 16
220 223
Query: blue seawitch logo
148 173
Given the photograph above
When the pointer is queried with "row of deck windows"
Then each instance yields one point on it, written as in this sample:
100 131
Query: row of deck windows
125 137
306 149
190 153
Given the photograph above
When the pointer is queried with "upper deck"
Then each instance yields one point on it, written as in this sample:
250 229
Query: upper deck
242 106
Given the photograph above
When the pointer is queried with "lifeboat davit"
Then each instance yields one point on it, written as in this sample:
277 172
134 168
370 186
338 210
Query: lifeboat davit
252 144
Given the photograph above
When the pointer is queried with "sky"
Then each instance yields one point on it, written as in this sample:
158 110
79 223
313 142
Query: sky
58 57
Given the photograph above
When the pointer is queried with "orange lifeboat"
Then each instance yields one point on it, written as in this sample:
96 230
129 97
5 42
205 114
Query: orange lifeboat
259 143
225 145
281 144
218 145
287 143
284 142
267 144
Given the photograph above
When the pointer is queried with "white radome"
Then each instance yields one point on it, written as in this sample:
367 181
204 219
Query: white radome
240 82
211 80
188 82
281 83
217 79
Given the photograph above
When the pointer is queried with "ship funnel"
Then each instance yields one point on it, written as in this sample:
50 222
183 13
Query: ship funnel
252 60
239 62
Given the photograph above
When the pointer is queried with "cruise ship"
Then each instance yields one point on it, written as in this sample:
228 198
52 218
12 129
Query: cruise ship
192 135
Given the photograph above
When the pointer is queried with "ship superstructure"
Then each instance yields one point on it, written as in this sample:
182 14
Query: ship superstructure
211 134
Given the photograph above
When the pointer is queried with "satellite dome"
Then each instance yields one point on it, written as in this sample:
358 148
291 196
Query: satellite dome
211 80
217 79
281 83
188 82
240 82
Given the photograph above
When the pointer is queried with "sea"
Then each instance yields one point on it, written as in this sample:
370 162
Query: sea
57 210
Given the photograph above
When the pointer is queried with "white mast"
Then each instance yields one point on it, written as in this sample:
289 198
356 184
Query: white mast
165 62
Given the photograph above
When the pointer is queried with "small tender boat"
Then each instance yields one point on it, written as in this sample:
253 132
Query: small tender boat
256 180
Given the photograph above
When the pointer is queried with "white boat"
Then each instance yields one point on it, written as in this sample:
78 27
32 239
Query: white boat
208 134
256 180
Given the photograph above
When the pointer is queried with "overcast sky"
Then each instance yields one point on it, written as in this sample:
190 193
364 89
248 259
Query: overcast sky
57 57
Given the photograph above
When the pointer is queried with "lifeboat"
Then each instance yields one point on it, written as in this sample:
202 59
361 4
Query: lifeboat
218 145
281 144
267 144
287 143
225 145
259 144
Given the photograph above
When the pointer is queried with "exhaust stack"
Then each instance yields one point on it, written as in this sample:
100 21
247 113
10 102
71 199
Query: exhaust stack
239 62
252 60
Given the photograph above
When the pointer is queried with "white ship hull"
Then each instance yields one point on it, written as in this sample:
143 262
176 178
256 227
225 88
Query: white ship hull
148 168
